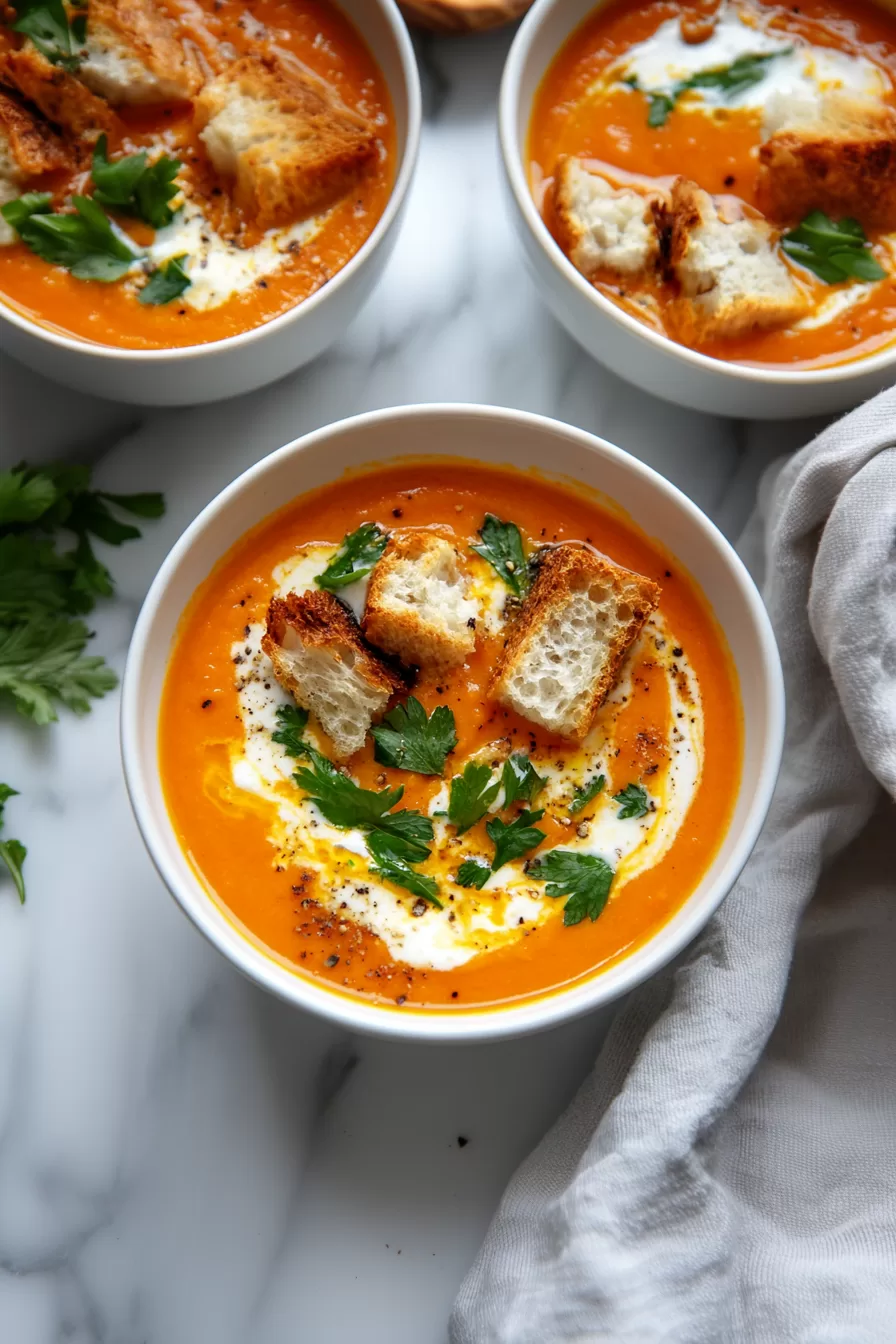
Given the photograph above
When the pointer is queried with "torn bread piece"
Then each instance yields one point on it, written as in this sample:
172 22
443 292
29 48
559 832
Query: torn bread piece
61 97
731 277
28 148
418 604
291 148
565 651
601 227
320 658
133 55
839 157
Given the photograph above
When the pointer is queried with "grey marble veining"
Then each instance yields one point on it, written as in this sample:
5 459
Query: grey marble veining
183 1160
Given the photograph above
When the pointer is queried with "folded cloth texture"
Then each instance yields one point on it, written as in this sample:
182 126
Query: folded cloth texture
727 1174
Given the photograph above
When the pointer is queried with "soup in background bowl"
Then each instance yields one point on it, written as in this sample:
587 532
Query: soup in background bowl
484 824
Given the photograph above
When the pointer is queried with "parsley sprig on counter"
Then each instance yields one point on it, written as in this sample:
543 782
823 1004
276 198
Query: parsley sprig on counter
408 740
12 852
730 80
46 584
832 251
47 24
501 544
355 559
584 879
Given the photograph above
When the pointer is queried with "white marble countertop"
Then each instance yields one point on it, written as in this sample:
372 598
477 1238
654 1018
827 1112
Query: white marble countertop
182 1159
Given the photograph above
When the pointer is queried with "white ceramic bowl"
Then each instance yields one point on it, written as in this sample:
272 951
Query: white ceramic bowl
241 363
626 346
490 435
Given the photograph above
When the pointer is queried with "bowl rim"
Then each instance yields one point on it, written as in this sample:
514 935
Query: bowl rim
512 153
206 350
408 1023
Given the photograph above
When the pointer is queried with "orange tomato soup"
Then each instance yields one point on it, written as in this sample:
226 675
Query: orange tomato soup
282 906
719 151
322 39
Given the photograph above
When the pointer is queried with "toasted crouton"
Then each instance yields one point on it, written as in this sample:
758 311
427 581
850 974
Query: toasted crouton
600 227
840 159
292 149
731 277
133 55
566 648
62 98
27 148
320 658
418 606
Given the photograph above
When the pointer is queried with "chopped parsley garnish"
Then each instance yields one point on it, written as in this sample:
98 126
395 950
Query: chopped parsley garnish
135 187
634 801
513 839
730 80
472 794
291 721
42 587
408 740
502 546
167 282
522 782
46 23
585 792
12 852
84 242
355 559
584 879
832 251
390 862
473 873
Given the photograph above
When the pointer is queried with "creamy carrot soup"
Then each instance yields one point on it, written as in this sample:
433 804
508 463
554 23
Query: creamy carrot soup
268 155
726 172
534 859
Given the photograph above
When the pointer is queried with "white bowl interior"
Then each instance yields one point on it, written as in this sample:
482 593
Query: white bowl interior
491 436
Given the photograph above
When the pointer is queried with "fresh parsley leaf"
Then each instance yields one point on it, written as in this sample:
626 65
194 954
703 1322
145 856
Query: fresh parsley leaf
832 251
46 23
730 80
522 782
147 505
585 792
634 800
502 546
25 496
85 242
166 283
390 863
41 661
408 740
343 802
583 878
472 794
291 722
17 211
354 560
12 852
33 578
473 873
410 833
135 187
513 840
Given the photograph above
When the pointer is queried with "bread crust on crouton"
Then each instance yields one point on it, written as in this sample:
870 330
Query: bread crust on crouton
292 149
418 606
32 147
843 162
317 623
62 98
133 55
607 607
730 277
601 227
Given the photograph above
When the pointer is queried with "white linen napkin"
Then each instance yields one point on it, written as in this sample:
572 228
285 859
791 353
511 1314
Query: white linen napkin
727 1175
